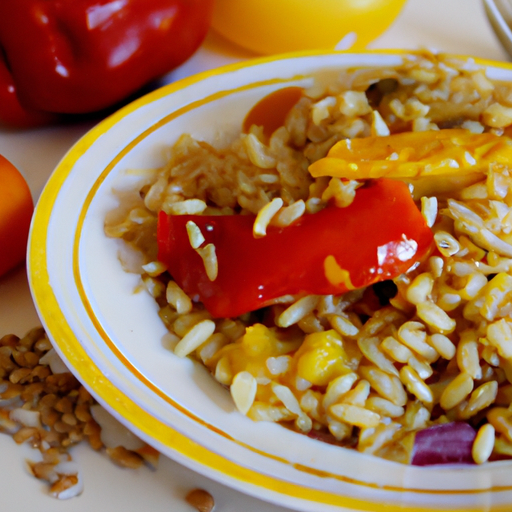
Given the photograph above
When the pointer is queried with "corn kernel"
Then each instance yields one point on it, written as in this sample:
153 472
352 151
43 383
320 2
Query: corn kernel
321 357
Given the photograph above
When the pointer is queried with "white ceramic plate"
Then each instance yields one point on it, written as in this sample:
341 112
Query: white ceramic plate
111 337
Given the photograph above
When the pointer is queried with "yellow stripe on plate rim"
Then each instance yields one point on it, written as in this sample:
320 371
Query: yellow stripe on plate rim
59 328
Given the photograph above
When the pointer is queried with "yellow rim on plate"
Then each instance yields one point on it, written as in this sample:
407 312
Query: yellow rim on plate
62 333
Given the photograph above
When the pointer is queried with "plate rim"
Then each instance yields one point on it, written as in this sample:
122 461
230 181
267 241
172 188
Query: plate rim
187 451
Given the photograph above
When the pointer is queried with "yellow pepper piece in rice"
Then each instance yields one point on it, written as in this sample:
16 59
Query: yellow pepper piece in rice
251 352
321 358
411 155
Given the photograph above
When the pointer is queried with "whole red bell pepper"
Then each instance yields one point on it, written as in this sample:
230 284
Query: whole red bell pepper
380 235
82 56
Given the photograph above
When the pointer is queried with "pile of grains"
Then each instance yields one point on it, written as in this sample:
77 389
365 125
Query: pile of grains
430 348
43 404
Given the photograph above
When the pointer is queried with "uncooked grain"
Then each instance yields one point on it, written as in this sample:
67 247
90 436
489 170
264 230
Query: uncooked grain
51 411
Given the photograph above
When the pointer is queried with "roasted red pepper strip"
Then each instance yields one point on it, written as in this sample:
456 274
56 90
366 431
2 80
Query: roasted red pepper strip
379 236
81 56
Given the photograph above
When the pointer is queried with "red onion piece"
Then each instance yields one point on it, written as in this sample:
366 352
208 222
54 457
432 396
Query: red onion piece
448 443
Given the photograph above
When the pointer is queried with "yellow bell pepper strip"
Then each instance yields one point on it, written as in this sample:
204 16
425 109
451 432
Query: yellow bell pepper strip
410 155
380 235
321 358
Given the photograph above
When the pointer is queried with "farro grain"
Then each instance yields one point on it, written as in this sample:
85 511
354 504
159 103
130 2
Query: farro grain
447 300
358 395
311 323
355 415
481 398
443 345
446 243
125 458
499 334
416 385
155 287
187 207
243 390
342 192
436 264
283 393
223 372
194 338
337 388
289 214
396 350
310 402
456 391
185 322
370 347
379 128
489 355
384 407
265 216
420 289
421 367
52 413
413 335
387 386
297 311
258 153
195 236
416 415
178 298
209 257
154 268
200 499
320 110
339 430
474 285
211 346
468 357
262 411
343 325
435 318
483 444
379 436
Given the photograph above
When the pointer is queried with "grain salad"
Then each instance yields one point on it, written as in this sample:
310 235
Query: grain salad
382 358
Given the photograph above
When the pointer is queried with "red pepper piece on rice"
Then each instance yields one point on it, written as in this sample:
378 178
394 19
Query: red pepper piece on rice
379 236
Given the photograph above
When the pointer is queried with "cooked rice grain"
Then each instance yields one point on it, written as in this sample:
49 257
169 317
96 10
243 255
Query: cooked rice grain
194 338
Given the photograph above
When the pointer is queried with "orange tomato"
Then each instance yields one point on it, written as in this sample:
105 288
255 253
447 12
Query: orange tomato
16 207
275 26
